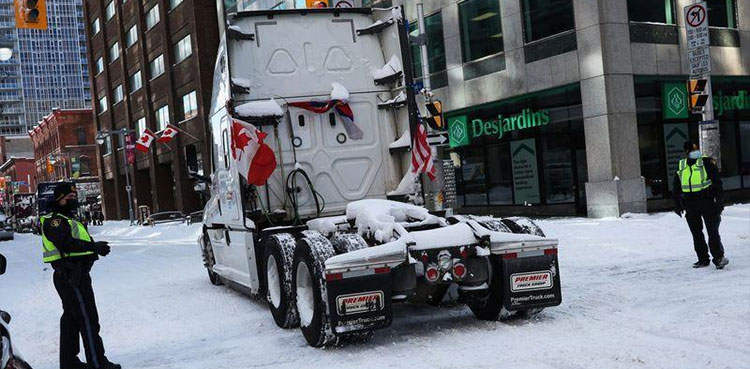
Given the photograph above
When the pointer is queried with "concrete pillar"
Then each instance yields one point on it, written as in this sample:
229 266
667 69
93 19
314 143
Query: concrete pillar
614 170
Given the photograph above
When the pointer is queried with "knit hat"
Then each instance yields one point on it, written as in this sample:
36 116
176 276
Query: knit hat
688 146
63 190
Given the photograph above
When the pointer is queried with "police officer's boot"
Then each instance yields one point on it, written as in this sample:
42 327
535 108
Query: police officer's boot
721 262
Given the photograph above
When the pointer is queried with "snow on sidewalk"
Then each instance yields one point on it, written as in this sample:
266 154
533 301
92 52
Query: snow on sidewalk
630 300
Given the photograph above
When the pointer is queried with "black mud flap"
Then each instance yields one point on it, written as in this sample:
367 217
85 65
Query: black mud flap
360 304
531 282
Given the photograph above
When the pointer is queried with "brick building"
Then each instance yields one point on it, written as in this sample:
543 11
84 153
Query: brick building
151 63
18 174
64 147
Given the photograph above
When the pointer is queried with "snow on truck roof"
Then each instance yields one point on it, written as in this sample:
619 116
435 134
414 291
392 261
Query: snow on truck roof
260 108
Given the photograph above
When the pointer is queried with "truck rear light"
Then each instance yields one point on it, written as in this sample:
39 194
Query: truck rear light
334 276
550 252
432 274
464 252
425 257
382 270
511 255
459 270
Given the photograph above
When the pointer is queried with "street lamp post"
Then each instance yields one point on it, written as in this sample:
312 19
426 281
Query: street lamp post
100 137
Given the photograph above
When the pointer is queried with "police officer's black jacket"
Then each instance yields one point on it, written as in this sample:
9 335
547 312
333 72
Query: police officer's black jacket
715 191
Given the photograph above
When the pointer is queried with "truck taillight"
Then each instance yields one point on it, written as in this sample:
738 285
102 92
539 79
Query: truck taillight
382 270
510 255
550 252
432 274
334 276
464 252
459 270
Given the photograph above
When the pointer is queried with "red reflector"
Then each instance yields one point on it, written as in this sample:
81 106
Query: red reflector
459 270
334 276
550 252
465 252
382 270
511 255
425 257
432 274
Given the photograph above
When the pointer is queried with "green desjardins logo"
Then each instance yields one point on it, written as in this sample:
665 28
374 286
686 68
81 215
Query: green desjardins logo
460 131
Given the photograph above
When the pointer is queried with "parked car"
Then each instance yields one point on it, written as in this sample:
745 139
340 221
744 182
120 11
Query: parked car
6 232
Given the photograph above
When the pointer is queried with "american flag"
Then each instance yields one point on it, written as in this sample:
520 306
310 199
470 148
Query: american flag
421 154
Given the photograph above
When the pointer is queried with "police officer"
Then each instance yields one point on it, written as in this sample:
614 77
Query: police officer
698 193
71 251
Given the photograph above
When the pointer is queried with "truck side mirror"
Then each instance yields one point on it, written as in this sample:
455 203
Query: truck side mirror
3 264
191 159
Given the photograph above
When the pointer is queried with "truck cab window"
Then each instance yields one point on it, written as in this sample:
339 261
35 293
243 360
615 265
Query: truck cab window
225 144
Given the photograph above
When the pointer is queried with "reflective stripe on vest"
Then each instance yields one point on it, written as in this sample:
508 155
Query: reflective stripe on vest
693 178
77 230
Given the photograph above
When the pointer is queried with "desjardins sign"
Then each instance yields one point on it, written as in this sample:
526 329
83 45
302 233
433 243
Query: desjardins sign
723 103
461 131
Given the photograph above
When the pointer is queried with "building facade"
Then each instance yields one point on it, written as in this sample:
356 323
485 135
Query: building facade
48 68
151 64
64 147
579 106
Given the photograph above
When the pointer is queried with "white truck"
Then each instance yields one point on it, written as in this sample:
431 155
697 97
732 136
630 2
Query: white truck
320 241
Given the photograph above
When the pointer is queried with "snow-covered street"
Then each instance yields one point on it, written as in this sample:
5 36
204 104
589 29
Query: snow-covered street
630 300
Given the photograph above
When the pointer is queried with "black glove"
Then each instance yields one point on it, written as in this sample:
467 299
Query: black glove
101 247
678 207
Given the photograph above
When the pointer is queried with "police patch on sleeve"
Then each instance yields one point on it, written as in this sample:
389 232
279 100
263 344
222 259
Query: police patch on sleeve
55 222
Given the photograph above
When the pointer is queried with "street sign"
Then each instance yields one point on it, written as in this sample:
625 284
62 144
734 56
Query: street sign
696 23
437 139
699 60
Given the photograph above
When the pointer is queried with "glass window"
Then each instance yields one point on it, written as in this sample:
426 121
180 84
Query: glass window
730 173
117 95
107 149
132 36
95 26
559 180
114 52
109 11
435 45
183 49
745 148
140 126
162 117
500 174
189 105
650 142
651 11
103 104
722 13
99 66
156 67
481 33
174 3
472 174
544 18
135 82
81 135
152 17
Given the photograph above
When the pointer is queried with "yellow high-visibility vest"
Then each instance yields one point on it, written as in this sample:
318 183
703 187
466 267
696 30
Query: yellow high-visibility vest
693 178
78 231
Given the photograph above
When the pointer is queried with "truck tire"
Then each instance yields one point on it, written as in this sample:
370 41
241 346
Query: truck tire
278 255
209 261
523 225
310 287
491 307
347 242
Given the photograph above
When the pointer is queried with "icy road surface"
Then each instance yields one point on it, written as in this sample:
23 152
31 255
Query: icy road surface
630 300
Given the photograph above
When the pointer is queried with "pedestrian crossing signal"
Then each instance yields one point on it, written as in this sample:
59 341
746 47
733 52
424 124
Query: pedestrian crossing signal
435 120
698 94
31 14
316 4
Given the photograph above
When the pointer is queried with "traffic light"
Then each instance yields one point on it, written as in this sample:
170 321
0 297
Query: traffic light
698 94
31 14
435 120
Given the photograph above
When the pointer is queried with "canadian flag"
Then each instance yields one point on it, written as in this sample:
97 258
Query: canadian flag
255 160
145 141
168 134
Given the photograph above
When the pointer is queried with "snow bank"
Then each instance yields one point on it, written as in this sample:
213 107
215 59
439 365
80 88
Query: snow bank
260 108
391 68
164 232
339 92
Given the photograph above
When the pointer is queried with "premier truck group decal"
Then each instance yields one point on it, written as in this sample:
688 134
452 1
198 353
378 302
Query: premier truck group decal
530 281
357 303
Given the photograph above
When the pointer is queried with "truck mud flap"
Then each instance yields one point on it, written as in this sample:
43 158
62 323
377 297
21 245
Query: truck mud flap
360 304
531 282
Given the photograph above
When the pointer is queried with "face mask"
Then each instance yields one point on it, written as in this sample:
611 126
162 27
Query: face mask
71 205
694 154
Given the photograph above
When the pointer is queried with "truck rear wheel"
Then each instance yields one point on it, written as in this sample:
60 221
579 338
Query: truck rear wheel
209 261
309 285
278 254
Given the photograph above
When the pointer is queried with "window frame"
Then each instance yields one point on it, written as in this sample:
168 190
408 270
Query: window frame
114 48
151 64
99 66
192 101
110 7
140 125
162 117
131 37
525 20
96 27
131 79
183 49
670 14
155 18
464 37
117 95
103 105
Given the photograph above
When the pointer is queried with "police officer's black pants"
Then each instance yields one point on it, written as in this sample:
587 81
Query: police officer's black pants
79 318
700 210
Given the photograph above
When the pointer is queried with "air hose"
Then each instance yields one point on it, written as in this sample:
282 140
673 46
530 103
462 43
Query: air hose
291 191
